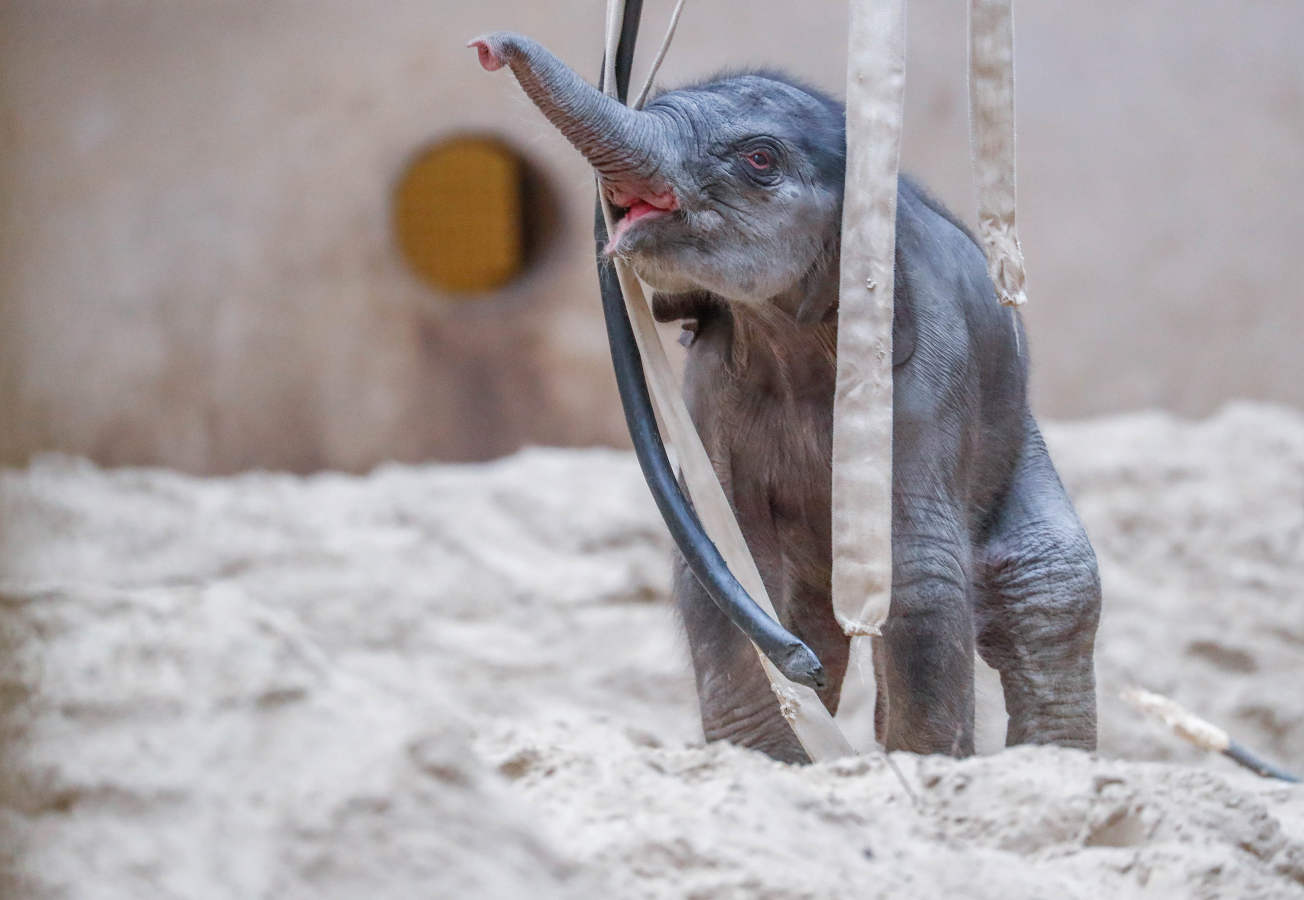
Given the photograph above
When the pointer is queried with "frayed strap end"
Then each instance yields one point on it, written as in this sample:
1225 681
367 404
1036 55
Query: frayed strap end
1004 261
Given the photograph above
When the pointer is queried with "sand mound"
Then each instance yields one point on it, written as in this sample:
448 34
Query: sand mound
464 681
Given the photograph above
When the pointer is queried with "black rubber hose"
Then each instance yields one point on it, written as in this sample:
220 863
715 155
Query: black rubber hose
790 655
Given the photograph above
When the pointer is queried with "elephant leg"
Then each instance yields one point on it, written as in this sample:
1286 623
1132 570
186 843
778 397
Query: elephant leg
1038 605
928 638
737 704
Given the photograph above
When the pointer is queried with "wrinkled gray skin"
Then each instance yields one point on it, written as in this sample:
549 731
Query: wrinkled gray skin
987 551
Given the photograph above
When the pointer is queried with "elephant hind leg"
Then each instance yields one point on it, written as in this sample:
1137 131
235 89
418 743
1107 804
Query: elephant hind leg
1038 606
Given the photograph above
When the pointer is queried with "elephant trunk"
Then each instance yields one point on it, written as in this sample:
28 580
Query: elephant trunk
623 145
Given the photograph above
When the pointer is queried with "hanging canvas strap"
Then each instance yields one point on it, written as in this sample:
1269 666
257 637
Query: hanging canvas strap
801 707
862 410
991 131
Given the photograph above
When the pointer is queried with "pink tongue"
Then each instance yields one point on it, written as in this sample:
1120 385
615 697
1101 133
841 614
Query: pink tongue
638 210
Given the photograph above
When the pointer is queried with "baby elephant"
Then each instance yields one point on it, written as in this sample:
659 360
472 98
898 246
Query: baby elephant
730 202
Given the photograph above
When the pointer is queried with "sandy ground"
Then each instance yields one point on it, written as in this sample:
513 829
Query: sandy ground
465 681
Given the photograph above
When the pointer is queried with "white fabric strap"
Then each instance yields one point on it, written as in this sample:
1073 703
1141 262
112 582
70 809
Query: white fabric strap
991 130
862 411
660 57
801 706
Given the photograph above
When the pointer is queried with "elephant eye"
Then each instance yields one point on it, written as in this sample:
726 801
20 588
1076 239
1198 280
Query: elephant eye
760 160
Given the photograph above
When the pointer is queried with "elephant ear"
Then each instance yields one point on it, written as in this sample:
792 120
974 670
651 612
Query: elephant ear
816 306
819 291
821 301
903 324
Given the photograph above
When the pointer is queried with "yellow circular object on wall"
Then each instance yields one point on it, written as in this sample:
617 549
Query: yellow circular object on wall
458 214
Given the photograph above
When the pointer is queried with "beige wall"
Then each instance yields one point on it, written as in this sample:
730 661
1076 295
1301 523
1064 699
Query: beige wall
198 269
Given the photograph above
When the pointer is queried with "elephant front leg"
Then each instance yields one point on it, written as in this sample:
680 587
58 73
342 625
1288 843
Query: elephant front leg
928 639
736 701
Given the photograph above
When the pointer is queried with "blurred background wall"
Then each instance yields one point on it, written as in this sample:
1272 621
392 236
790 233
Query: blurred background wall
200 266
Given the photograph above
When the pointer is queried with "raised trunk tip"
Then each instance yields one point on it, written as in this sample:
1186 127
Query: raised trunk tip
490 49
618 141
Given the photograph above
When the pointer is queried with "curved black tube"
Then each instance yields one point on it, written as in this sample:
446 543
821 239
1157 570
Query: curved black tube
790 655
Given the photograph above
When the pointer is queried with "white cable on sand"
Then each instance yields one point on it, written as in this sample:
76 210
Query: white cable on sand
1201 733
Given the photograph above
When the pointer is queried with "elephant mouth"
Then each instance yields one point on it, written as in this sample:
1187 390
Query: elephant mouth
636 207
